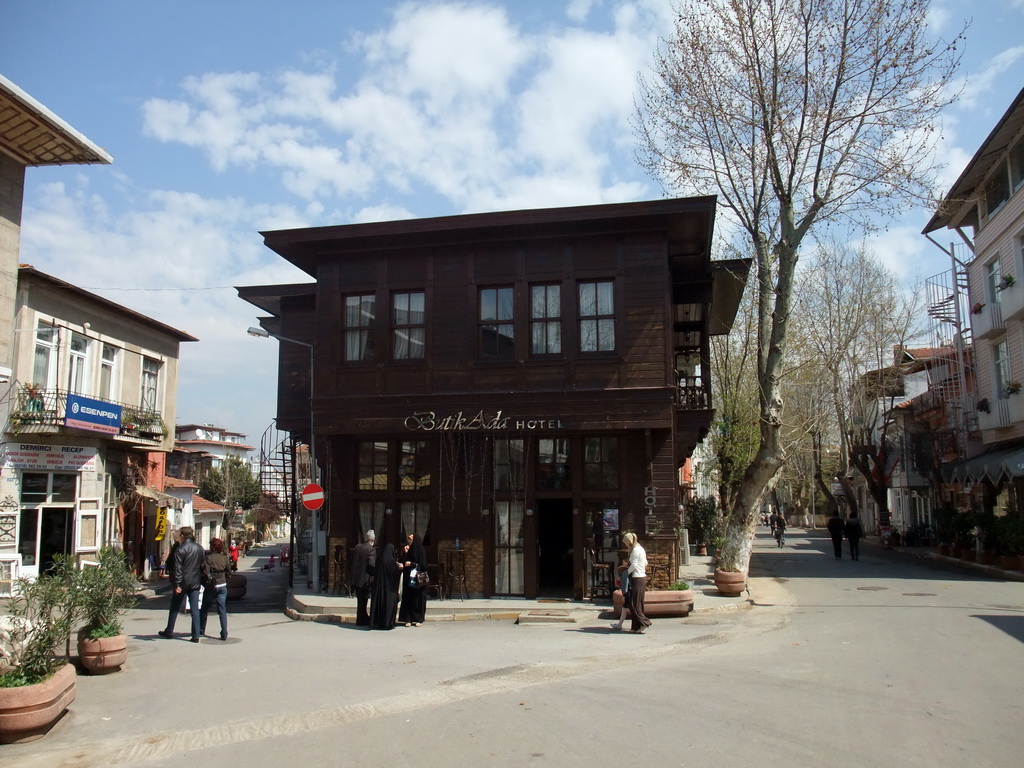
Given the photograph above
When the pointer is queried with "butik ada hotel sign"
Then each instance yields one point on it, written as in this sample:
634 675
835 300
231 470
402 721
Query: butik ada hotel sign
429 421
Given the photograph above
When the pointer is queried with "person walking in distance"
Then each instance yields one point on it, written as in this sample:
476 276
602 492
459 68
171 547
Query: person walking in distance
364 563
637 583
187 578
836 529
854 531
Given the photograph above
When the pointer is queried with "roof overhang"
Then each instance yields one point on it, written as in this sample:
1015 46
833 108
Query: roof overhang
33 135
959 207
688 224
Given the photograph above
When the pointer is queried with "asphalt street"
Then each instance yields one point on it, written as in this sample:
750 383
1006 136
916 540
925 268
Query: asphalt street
888 660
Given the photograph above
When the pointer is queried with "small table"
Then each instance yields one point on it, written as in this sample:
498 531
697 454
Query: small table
455 572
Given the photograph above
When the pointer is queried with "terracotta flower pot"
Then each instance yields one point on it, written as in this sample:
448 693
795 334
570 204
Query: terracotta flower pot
969 555
29 711
988 558
103 655
730 584
944 550
1008 562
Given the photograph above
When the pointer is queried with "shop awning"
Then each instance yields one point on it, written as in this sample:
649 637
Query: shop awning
163 499
994 466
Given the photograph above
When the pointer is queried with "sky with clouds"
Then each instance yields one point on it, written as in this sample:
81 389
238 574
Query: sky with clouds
231 117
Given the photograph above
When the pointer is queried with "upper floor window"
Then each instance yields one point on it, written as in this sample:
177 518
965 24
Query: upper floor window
993 280
108 372
150 384
44 367
998 190
597 316
1000 368
1017 164
78 360
497 333
408 324
545 319
360 314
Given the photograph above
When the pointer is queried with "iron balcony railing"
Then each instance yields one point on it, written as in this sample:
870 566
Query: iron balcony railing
41 411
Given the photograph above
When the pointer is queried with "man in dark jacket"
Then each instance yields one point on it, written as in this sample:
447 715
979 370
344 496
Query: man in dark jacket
187 578
836 529
364 562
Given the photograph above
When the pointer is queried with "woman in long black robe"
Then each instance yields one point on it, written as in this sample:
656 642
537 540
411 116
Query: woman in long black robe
387 577
414 598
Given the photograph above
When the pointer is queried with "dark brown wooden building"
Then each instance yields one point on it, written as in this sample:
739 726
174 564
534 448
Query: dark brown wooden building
511 385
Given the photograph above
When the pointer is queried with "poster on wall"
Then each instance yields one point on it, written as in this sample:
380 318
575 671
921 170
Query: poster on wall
611 520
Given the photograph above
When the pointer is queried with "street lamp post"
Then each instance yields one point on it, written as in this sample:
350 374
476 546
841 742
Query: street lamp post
314 566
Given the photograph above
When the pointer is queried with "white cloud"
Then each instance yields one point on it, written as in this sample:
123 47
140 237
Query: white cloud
979 86
454 101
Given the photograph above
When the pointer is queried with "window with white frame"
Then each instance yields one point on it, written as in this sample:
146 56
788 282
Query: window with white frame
88 525
993 280
1017 165
44 367
108 372
78 364
150 383
1000 368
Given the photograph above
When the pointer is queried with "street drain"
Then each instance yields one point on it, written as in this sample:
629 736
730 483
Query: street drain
872 589
919 594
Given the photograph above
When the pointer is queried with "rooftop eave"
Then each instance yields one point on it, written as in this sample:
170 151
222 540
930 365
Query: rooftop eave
34 136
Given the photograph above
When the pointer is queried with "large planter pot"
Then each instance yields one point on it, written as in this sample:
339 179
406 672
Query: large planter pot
968 555
28 712
660 603
103 655
1008 562
988 558
944 550
237 585
730 584
955 552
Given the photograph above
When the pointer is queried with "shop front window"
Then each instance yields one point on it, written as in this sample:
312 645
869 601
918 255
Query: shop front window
414 465
373 466
509 467
553 471
510 541
600 463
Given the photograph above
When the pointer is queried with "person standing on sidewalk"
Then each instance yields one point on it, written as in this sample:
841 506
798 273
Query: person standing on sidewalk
836 529
218 566
637 583
854 531
360 576
187 578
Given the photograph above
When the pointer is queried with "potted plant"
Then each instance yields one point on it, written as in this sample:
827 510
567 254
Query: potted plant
1007 281
1012 387
106 590
978 307
703 522
675 601
37 684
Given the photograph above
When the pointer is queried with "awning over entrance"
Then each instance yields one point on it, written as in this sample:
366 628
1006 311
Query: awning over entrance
159 497
994 466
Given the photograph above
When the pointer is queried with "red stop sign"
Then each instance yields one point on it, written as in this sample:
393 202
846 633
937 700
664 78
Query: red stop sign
312 496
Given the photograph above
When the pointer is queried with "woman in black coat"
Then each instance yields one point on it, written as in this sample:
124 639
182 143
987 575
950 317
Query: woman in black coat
385 590
414 597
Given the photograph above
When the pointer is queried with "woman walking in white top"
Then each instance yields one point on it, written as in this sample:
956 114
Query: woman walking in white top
637 583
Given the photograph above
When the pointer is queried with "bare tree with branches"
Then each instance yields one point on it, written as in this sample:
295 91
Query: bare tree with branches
798 113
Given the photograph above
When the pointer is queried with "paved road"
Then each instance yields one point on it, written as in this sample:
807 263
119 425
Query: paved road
879 662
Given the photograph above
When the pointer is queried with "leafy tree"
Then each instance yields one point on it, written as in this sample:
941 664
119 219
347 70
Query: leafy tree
231 485
798 113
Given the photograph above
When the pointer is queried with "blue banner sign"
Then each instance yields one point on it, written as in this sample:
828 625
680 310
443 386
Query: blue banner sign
94 415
